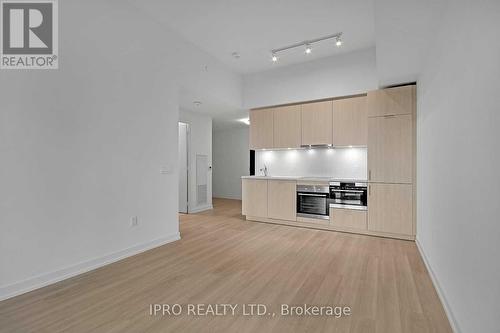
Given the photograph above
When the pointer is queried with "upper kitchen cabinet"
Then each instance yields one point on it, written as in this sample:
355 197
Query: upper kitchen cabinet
390 149
392 101
317 123
261 128
350 122
287 127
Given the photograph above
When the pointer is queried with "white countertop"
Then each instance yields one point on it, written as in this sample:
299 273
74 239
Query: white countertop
302 178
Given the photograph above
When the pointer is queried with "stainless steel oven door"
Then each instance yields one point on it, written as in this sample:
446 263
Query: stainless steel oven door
313 205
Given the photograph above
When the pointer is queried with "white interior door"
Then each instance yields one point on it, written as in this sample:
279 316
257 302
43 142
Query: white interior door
183 167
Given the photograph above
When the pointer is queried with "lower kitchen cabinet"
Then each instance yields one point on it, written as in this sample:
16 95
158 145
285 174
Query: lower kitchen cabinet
389 214
390 208
282 200
254 197
348 218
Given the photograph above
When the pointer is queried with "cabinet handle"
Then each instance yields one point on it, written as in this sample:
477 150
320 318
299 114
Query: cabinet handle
369 190
389 116
369 174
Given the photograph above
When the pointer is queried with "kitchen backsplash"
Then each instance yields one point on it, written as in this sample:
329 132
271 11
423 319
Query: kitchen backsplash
321 162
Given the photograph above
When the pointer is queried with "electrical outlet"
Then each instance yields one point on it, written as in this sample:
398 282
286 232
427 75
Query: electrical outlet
134 221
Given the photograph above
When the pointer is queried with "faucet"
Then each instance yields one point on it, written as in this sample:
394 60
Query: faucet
264 170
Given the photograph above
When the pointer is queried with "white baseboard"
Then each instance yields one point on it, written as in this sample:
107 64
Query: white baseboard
46 279
446 306
228 197
200 209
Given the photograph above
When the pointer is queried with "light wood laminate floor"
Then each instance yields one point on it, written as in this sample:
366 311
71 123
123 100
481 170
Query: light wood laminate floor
224 259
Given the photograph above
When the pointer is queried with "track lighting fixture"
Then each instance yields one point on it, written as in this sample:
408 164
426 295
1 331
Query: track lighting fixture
307 44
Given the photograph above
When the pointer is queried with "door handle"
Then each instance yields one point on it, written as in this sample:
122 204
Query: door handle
312 195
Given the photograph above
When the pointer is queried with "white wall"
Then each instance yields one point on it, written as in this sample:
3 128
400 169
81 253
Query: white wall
341 75
404 30
231 161
458 118
82 147
204 78
338 163
200 143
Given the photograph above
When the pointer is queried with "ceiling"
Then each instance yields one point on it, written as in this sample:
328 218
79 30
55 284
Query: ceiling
223 115
253 28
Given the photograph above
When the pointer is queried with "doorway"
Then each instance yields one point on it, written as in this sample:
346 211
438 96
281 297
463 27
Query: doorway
183 168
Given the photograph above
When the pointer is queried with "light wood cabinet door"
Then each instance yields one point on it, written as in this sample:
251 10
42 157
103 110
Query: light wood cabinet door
350 122
287 127
254 197
282 200
317 123
348 218
390 149
390 208
392 101
261 128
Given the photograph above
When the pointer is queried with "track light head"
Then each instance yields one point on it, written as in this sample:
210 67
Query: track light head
274 57
308 49
338 41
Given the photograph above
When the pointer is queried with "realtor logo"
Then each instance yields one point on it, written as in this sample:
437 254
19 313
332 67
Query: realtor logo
29 38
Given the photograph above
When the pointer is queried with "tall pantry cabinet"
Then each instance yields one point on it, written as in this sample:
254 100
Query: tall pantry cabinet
391 160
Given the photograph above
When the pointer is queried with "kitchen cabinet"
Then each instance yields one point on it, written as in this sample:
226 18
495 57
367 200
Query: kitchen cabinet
287 127
390 149
392 101
348 218
254 197
261 128
317 123
282 200
390 208
383 121
350 122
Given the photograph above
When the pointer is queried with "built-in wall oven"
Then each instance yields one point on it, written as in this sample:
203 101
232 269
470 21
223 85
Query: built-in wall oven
350 195
313 201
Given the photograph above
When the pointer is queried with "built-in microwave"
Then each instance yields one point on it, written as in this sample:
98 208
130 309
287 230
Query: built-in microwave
348 195
313 201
